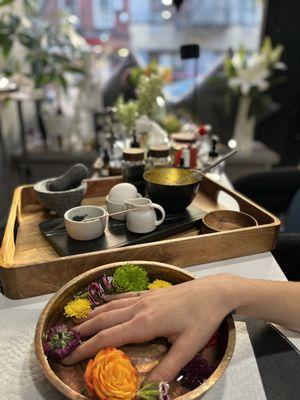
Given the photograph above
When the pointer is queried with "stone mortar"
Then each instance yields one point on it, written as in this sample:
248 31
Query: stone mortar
60 201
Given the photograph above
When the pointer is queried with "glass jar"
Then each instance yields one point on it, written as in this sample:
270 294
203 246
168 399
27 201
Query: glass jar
185 148
159 156
133 168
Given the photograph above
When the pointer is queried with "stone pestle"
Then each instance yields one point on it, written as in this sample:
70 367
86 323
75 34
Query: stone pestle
69 180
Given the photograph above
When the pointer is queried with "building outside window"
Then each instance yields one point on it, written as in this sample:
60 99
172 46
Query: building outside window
153 29
103 14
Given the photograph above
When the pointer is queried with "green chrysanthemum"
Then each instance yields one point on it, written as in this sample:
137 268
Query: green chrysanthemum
130 278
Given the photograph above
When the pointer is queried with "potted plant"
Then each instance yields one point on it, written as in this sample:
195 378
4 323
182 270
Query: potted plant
51 54
142 113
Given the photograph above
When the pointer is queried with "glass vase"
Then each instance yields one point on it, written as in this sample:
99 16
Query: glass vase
244 126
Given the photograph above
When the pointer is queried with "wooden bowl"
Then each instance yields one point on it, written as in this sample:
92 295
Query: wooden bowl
164 187
226 220
70 380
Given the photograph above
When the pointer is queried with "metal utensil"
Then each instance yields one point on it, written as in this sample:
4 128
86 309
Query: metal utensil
108 215
61 226
199 173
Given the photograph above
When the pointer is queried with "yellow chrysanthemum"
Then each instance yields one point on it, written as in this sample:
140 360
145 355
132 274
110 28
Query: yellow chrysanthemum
78 308
159 284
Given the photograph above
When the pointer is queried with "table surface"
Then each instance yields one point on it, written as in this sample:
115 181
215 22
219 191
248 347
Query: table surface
259 266
271 354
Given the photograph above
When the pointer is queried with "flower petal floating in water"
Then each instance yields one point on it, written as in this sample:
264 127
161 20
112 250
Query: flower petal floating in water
159 284
154 391
195 372
96 292
164 391
107 281
148 391
130 278
78 308
60 341
111 376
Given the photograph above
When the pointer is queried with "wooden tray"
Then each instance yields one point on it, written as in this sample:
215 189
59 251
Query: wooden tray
29 266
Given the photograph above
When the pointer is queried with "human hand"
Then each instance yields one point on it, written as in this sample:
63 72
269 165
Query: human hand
187 315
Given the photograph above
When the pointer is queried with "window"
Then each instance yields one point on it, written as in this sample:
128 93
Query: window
152 29
72 7
103 14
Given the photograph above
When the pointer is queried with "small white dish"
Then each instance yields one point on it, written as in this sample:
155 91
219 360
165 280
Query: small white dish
113 207
80 230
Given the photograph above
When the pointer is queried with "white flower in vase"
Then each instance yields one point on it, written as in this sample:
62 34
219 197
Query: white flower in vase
250 77
252 74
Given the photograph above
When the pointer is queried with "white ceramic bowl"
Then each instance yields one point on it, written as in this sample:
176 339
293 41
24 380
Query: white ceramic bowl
80 230
113 207
121 192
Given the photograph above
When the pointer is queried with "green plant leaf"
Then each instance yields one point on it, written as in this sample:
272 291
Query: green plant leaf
62 81
6 2
9 23
30 7
6 47
29 39
73 68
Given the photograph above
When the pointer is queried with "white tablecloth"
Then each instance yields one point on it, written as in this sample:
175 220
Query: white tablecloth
21 378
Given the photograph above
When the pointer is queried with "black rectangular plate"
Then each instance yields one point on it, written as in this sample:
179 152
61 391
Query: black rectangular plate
116 234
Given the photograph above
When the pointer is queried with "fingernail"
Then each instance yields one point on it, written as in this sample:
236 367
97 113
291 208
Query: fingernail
78 321
67 361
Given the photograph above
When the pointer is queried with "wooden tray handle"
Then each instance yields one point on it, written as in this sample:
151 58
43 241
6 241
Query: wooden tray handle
246 205
8 246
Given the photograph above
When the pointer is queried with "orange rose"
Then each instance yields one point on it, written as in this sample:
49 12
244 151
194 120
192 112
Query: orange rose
111 376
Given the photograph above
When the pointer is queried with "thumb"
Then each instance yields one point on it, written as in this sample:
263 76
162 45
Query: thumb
182 351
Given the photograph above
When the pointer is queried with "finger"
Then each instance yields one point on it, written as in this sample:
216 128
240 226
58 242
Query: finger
113 337
111 297
104 321
181 352
113 305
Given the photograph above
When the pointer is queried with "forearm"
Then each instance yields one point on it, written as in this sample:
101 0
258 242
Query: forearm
272 301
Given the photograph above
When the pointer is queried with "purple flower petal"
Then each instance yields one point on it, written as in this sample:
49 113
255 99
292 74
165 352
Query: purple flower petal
196 372
164 391
60 341
94 301
94 287
96 292
107 281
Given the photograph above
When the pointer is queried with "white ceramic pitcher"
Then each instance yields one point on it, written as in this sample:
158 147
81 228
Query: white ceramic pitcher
143 220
